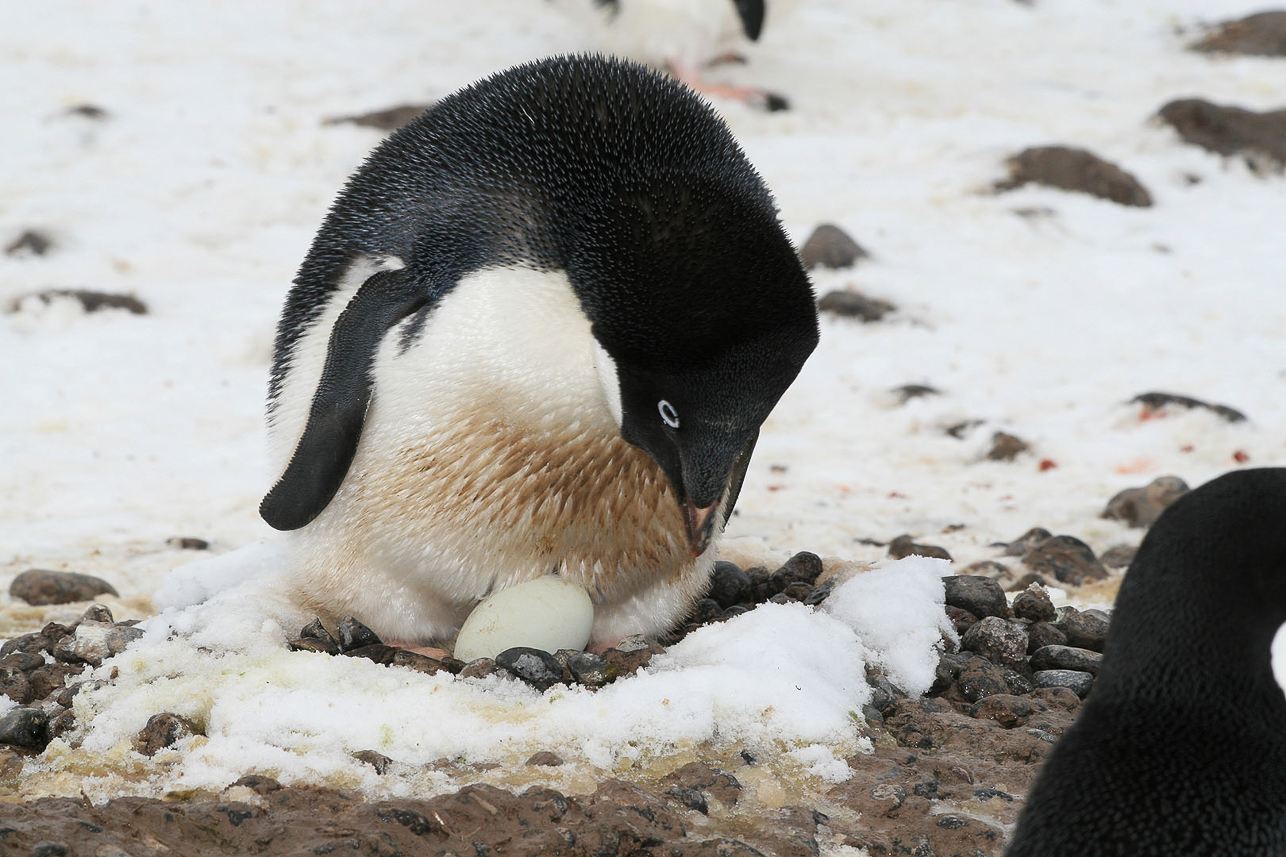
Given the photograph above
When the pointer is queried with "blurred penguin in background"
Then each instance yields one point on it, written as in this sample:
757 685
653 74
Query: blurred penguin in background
684 37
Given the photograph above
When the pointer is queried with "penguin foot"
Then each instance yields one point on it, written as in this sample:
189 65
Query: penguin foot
759 99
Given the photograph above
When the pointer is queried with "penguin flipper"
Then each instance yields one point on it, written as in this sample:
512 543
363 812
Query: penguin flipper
329 442
752 14
739 476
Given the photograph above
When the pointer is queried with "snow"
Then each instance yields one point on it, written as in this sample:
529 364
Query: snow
1038 311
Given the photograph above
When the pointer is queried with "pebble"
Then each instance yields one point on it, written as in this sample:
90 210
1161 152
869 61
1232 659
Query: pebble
1006 447
479 668
39 587
1026 541
388 119
353 635
630 655
539 669
980 678
30 242
1066 658
94 642
831 247
1041 634
1140 507
1075 170
1076 681
25 727
89 300
314 638
164 730
851 304
981 596
187 543
1154 402
1000 641
1228 130
907 392
903 546
1084 629
729 585
803 567
1260 34
546 759
1066 558
962 620
1033 603
1007 709
378 761
690 798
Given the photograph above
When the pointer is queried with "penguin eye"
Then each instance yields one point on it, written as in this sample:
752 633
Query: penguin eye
668 414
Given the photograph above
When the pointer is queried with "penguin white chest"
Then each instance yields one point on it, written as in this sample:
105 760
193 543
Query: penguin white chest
491 455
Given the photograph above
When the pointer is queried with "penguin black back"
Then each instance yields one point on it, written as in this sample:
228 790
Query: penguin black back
1181 747
596 167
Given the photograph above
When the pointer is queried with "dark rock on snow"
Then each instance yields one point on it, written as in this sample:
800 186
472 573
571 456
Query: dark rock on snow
1075 170
1006 447
981 596
354 635
38 586
539 669
1227 130
1066 658
30 242
25 727
1079 683
903 546
1025 542
1084 629
1000 641
729 585
831 247
1140 507
907 392
89 300
388 119
1153 403
853 304
1119 556
1033 603
1261 34
164 730
1066 558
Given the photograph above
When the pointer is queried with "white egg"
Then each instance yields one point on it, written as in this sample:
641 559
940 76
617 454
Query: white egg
547 613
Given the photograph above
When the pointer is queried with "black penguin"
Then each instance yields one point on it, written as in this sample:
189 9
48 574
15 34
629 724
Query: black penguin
1181 747
538 331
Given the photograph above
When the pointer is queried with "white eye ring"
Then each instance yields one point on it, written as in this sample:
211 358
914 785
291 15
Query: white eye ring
668 414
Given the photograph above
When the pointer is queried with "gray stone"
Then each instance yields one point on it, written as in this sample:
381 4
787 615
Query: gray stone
1140 507
850 304
94 642
1066 658
1085 630
729 585
1041 634
1000 641
589 669
164 730
1076 681
25 727
1261 34
1066 558
39 586
981 596
903 546
537 668
1034 603
1077 170
831 247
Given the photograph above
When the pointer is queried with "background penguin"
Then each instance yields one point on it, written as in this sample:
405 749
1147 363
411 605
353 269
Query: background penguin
682 36
1181 747
538 332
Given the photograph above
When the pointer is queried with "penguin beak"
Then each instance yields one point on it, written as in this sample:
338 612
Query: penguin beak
700 524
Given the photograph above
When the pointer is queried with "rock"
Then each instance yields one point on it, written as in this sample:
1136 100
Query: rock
1085 630
691 799
479 668
50 849
259 784
1025 542
187 543
38 586
980 678
962 620
89 300
1066 558
631 655
699 776
51 679
981 596
388 119
424 663
25 727
903 546
1000 641
821 592
1006 447
30 242
1066 658
164 730
545 759
729 585
1118 556
962 429
1033 603
1075 170
803 567
1261 34
1228 130
851 304
1140 507
314 638
13 682
907 392
831 247
354 635
378 761
538 669
97 613
1041 634
1006 709
1154 403
1076 681
589 669
94 642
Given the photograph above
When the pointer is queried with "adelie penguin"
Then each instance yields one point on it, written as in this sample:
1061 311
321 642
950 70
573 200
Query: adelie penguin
537 333
1181 747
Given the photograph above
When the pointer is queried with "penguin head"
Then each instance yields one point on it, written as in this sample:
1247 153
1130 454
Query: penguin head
699 302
